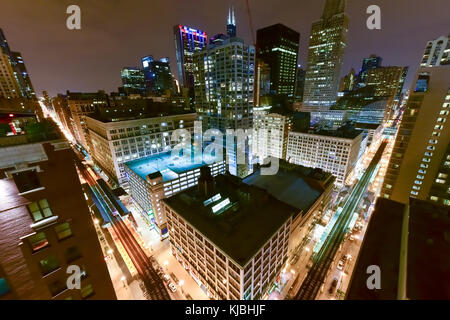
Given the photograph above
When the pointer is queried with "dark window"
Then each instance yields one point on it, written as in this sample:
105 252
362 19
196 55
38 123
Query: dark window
49 264
26 180
72 254
38 241
57 287
63 231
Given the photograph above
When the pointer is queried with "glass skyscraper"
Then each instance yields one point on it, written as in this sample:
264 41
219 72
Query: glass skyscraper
278 47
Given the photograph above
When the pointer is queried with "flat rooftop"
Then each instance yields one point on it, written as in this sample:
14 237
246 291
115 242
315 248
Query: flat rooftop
428 251
169 167
381 247
290 185
238 218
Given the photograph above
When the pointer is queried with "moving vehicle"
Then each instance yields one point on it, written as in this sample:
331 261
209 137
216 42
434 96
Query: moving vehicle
166 277
333 286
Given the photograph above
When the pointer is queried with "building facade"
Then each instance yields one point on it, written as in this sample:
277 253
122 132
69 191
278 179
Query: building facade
45 225
422 141
115 142
155 178
330 151
229 240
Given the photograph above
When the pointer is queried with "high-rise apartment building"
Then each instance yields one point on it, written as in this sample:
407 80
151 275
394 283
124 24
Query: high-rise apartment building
419 158
233 238
187 42
334 151
325 55
278 47
437 52
140 134
224 80
45 224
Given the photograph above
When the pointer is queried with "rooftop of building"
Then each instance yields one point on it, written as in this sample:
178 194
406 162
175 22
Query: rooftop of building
236 217
381 247
428 247
347 131
137 109
17 129
295 185
169 167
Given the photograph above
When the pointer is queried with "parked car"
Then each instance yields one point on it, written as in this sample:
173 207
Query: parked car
166 278
351 238
172 287
340 265
333 286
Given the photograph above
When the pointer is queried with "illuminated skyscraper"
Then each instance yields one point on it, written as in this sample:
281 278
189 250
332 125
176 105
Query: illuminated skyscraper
372 62
278 47
133 80
187 42
158 77
20 73
325 56
420 161
231 23
224 80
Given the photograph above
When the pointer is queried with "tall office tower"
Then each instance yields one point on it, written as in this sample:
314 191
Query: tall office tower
348 82
231 23
158 77
387 81
437 52
372 62
9 88
133 81
224 79
81 104
116 139
334 151
262 80
326 55
419 158
278 47
45 224
300 84
187 42
20 73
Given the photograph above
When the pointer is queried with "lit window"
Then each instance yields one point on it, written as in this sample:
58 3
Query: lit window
40 210
63 231
4 287
87 291
38 241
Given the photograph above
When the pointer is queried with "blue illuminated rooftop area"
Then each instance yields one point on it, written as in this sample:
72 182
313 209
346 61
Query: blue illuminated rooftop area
170 167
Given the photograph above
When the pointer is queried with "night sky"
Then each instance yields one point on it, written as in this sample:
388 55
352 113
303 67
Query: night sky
117 33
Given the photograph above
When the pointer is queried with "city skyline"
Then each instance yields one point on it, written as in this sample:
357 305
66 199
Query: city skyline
60 48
